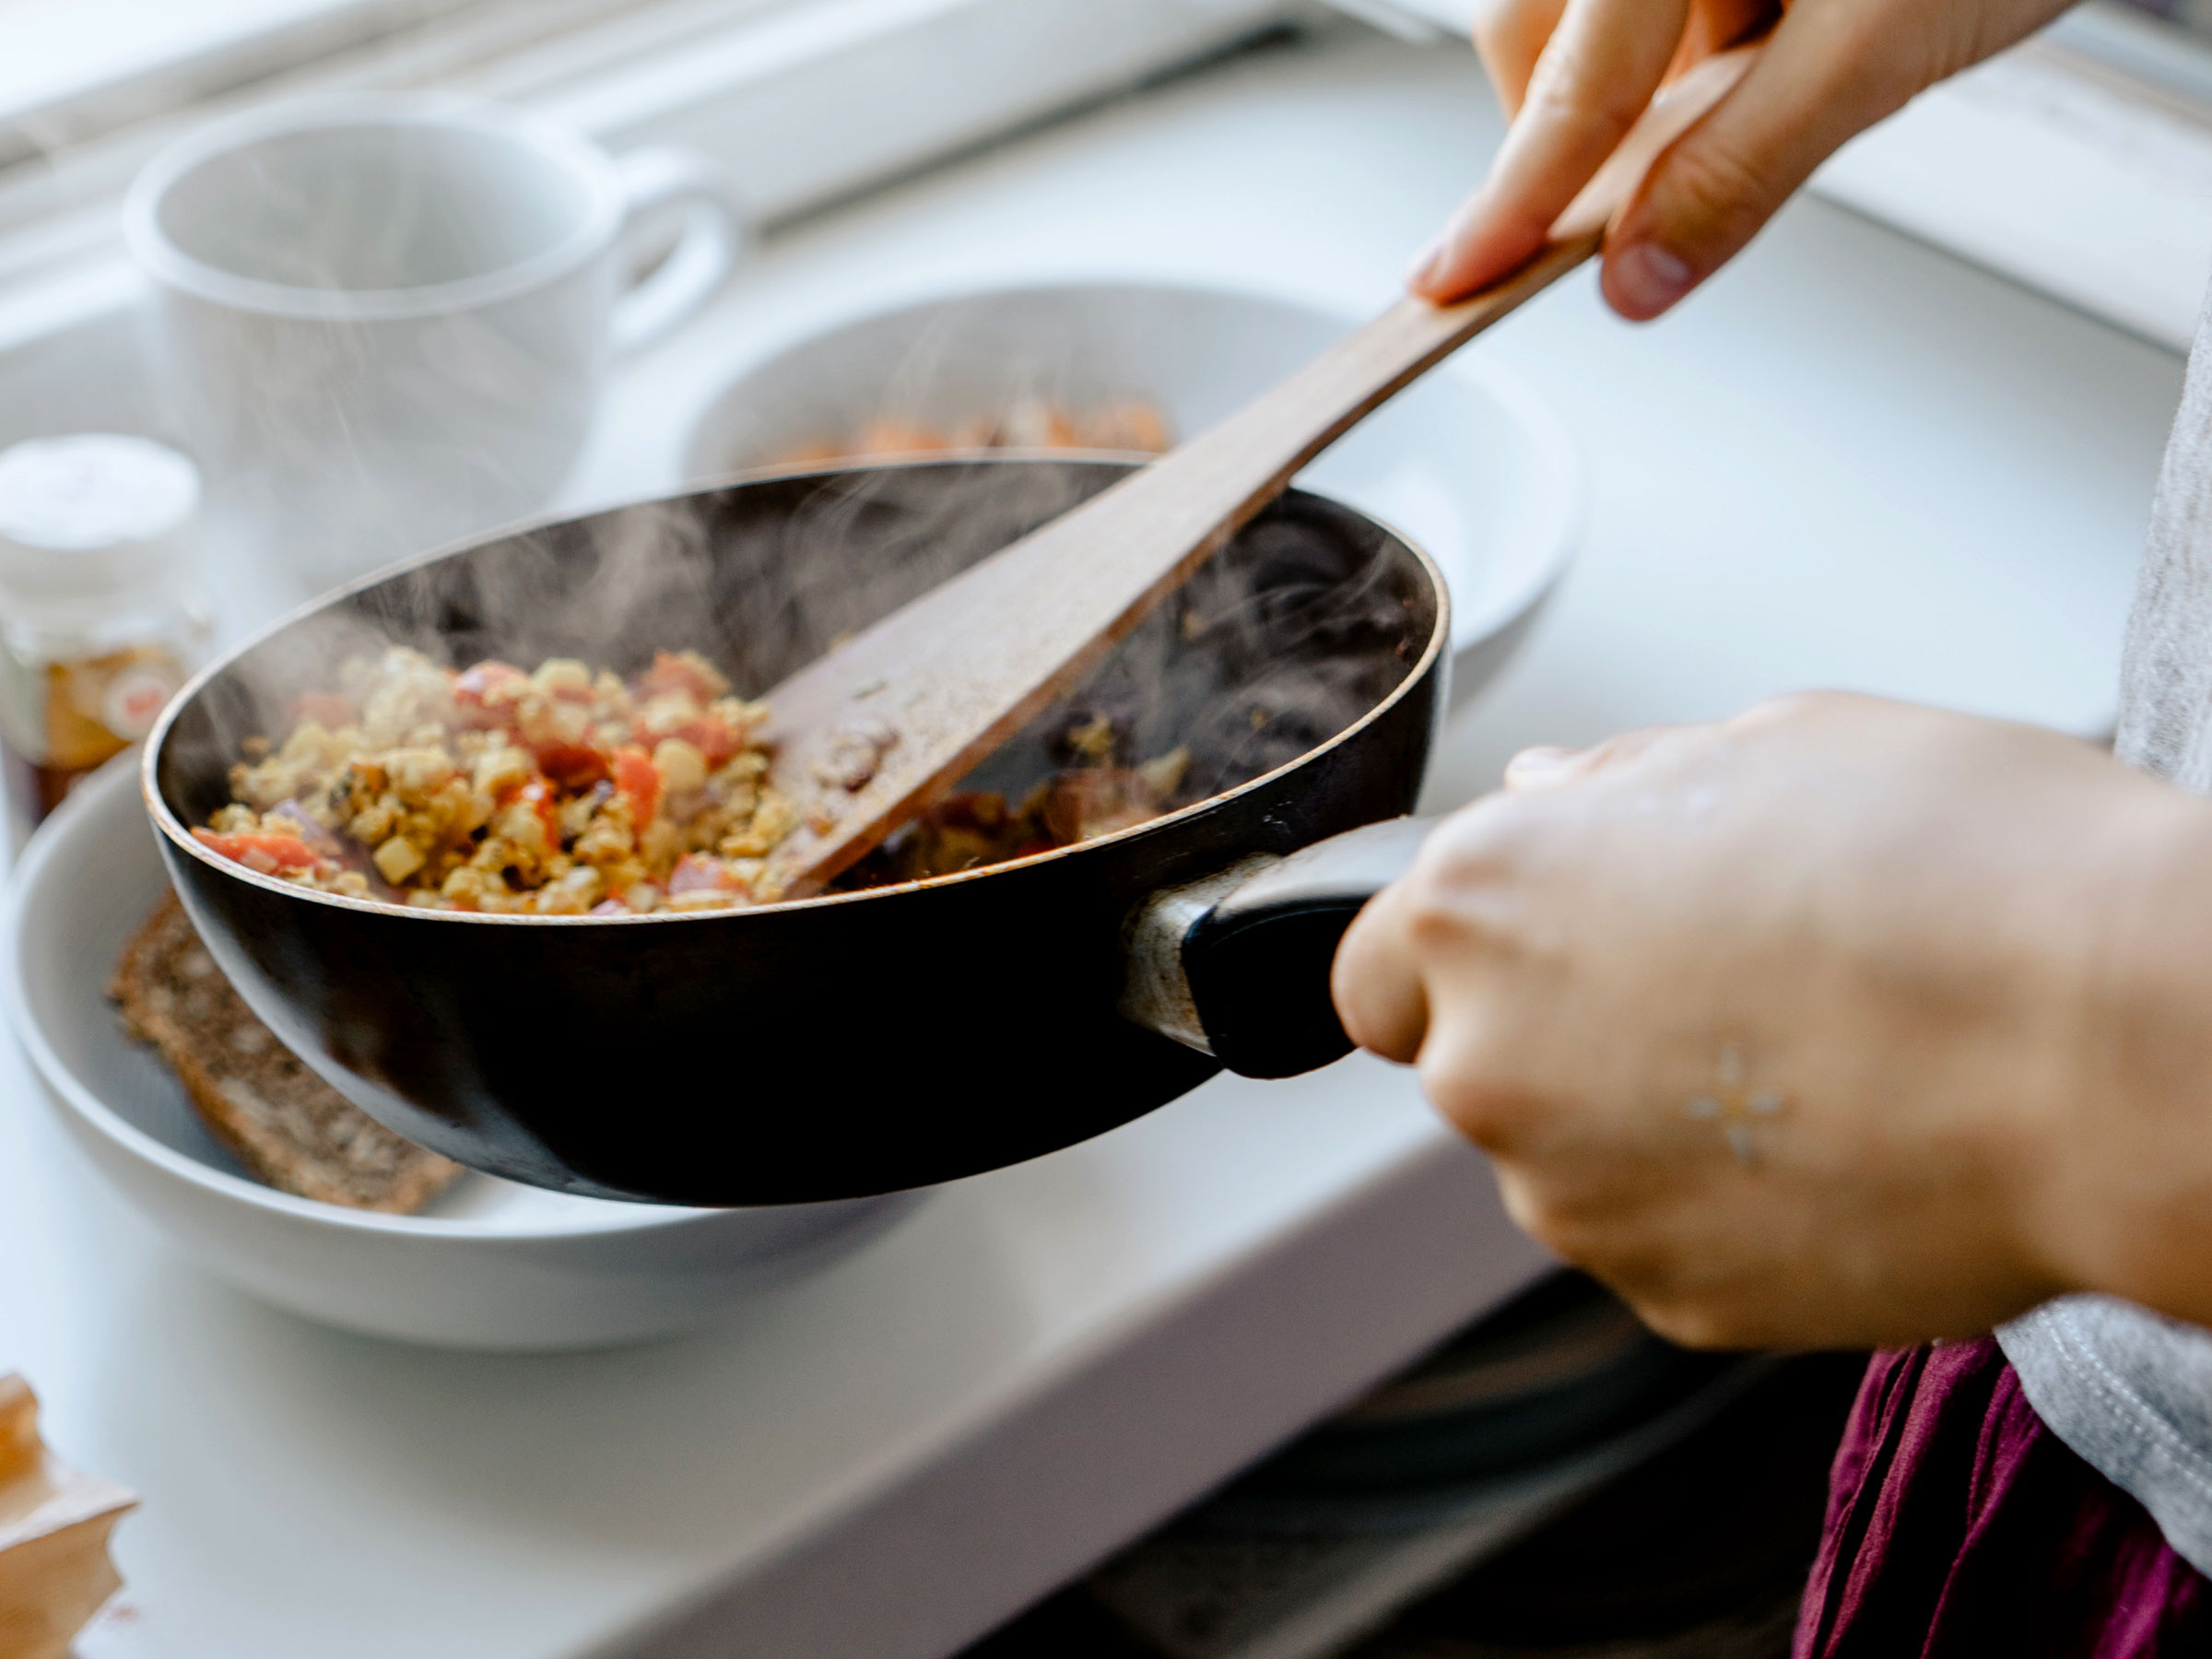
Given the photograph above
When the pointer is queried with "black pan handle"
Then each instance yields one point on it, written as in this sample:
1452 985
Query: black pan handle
1238 965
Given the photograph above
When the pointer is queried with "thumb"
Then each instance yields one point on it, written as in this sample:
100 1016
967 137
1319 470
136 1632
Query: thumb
1550 768
1821 78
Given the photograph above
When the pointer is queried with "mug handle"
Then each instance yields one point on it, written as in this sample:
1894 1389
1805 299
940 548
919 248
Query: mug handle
706 251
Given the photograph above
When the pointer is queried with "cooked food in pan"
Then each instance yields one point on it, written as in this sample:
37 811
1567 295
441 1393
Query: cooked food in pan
569 792
555 792
1095 789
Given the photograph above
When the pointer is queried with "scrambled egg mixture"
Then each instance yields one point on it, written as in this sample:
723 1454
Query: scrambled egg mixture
560 792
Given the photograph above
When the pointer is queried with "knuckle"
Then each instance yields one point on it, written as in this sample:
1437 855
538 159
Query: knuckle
1682 1323
1430 904
1466 1078
1790 708
1871 77
1499 25
1475 845
1802 708
1792 705
1433 923
1693 1324
1528 1207
1628 746
1714 190
1466 912
1572 1230
1564 92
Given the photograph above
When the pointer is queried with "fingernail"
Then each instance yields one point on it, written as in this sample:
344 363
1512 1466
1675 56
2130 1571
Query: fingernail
1646 278
1426 262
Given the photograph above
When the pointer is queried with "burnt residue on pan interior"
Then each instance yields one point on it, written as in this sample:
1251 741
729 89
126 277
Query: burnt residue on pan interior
826 1048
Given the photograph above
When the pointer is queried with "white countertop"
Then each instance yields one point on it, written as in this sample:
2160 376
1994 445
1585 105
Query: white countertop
1849 462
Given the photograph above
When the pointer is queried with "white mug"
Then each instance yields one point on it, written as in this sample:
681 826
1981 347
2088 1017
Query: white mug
384 322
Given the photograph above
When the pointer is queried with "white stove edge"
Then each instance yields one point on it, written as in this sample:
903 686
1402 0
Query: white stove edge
1225 1368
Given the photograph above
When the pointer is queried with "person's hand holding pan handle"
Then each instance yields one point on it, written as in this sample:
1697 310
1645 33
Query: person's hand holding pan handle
1840 1023
1575 74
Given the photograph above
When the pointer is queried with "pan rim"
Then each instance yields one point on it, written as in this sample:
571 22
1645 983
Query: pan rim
177 835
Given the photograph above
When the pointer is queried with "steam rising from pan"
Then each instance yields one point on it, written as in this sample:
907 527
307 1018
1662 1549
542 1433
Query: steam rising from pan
1283 640
792 1052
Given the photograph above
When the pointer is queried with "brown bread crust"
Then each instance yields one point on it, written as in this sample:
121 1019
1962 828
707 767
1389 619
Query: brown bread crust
285 1124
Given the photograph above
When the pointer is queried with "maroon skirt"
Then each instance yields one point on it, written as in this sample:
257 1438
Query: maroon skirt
1960 1528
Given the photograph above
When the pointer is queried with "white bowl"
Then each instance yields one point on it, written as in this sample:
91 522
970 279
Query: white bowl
1467 461
490 1266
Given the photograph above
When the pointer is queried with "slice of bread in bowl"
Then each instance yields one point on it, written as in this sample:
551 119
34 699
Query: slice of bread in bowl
276 1117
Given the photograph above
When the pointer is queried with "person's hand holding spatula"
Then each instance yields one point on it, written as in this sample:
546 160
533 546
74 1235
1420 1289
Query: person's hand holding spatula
1575 75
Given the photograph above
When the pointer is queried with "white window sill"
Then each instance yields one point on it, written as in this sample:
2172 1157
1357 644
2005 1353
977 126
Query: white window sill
804 100
59 55
2062 165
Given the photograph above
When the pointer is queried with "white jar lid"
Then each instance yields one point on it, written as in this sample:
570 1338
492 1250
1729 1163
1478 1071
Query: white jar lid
92 515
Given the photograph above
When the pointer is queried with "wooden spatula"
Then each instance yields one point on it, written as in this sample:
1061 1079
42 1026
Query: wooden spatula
876 730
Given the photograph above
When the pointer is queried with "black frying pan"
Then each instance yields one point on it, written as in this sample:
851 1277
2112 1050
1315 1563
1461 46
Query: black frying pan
860 1042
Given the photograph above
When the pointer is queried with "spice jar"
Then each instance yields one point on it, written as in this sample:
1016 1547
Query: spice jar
100 615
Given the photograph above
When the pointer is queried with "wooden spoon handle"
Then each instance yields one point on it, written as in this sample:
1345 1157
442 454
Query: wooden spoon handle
874 731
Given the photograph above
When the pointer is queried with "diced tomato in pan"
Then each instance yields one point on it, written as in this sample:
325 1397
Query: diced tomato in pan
636 777
268 853
288 817
696 875
539 793
671 673
709 735
571 765
484 692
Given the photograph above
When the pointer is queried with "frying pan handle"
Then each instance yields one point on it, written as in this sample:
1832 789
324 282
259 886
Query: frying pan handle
1237 965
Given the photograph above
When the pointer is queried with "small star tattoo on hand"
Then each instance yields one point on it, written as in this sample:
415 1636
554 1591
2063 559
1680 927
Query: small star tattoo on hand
1736 1106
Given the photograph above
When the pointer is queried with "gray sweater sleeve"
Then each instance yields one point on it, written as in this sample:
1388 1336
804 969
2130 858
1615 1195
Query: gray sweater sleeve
2129 1391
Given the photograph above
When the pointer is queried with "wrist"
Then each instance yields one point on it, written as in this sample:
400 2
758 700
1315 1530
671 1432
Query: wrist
2115 1173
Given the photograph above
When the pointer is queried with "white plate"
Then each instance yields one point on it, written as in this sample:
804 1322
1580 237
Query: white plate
1468 462
490 1266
